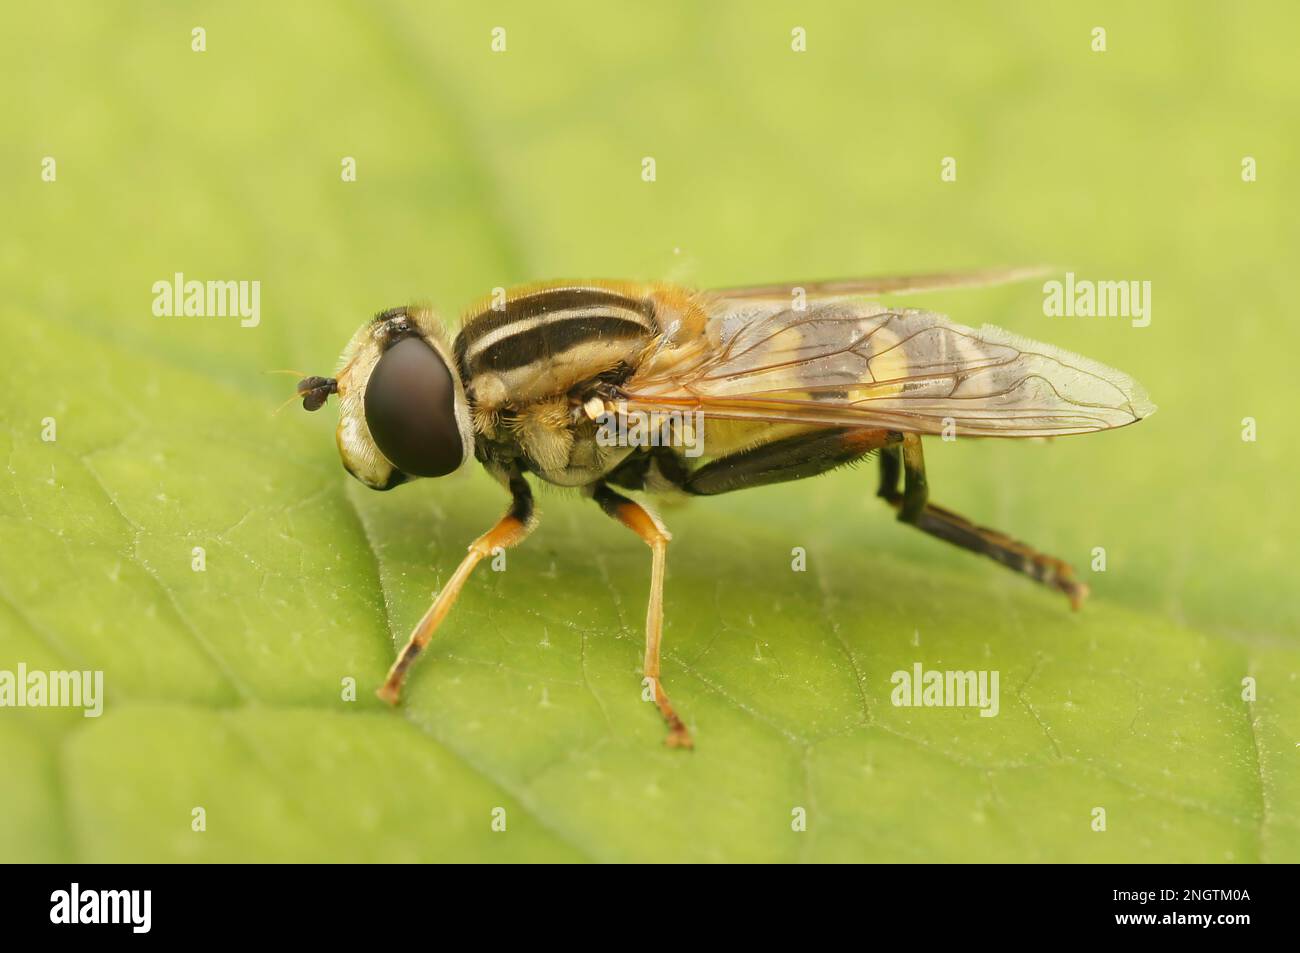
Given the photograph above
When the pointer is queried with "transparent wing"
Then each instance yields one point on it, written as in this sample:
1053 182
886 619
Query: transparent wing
891 284
855 363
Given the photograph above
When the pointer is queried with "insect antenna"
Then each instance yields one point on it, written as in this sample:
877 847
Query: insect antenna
276 412
312 390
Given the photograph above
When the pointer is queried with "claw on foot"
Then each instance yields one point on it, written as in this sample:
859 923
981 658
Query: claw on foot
678 736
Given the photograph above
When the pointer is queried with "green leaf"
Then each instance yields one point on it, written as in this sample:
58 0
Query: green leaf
225 689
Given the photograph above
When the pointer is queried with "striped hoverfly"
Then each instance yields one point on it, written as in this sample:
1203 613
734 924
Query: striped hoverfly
785 382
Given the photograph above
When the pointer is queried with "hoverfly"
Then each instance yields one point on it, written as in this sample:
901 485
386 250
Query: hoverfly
790 382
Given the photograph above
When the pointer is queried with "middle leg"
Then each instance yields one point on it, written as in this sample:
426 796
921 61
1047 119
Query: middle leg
638 519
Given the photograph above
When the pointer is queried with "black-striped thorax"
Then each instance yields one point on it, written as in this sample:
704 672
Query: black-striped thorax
527 363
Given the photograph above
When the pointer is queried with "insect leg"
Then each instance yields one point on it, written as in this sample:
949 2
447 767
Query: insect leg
509 530
914 508
790 458
638 519
891 469
916 489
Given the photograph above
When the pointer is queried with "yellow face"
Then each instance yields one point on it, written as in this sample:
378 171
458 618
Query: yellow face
359 444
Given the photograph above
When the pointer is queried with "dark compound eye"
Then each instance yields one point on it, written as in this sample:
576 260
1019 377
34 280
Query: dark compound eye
410 409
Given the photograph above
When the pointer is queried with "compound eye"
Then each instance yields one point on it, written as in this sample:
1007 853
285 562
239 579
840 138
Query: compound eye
410 410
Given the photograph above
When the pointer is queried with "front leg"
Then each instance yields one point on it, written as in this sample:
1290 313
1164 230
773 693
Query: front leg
638 519
509 530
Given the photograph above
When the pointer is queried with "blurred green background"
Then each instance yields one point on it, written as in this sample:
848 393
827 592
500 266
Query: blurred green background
477 169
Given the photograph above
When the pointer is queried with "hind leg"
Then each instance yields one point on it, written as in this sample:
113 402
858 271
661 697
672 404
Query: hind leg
915 509
789 458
